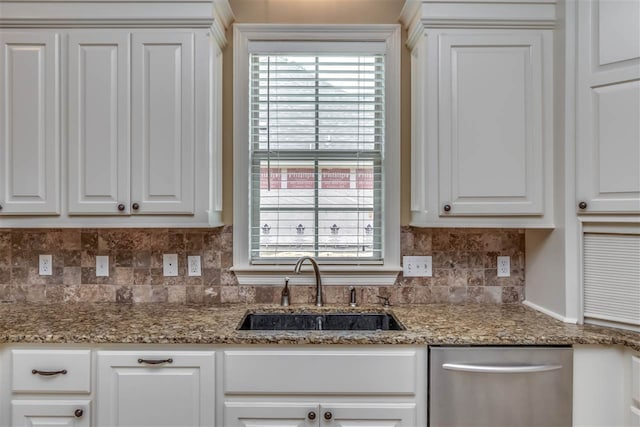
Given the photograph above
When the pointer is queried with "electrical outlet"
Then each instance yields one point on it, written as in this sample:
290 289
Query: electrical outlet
46 265
194 265
170 265
504 266
417 266
102 266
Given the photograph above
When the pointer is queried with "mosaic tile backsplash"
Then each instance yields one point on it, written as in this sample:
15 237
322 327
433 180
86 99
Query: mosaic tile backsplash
464 268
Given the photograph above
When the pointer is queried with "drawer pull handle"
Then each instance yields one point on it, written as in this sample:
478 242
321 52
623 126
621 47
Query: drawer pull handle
155 362
328 415
311 415
48 373
78 413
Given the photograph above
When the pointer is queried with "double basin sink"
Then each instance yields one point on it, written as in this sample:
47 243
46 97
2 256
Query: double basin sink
320 322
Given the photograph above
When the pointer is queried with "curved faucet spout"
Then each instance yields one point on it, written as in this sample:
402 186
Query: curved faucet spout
316 270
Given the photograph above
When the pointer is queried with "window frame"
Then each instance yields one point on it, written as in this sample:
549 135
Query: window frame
248 35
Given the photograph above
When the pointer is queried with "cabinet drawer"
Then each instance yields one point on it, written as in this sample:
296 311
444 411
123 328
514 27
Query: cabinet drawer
635 380
64 371
43 413
312 371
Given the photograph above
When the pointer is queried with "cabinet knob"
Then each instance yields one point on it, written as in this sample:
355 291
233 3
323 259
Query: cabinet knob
135 206
328 415
582 205
120 207
447 208
0 207
78 413
311 415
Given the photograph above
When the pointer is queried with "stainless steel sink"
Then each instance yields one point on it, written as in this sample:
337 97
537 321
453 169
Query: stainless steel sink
320 322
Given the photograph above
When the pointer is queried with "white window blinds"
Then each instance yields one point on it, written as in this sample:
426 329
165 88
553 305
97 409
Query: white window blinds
316 141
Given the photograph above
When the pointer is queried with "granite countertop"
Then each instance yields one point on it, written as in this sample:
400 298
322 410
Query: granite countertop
461 324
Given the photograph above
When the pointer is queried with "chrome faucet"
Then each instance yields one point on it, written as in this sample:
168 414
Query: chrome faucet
316 270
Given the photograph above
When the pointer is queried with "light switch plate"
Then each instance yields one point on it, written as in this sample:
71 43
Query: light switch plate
170 265
417 266
102 266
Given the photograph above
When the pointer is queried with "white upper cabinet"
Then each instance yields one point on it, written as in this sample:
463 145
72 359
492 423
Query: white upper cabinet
29 123
490 120
163 126
482 114
130 135
608 107
98 149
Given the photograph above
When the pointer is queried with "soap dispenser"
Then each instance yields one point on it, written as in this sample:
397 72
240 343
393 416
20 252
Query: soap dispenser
284 298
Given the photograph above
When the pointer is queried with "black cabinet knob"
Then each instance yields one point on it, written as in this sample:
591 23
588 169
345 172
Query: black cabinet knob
311 415
120 207
78 413
135 206
582 205
447 208
328 415
0 207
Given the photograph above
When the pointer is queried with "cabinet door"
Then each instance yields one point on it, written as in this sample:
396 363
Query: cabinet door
162 159
491 137
263 414
155 389
608 107
368 414
50 413
98 122
29 123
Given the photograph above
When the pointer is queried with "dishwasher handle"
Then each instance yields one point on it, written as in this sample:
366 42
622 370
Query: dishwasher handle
500 369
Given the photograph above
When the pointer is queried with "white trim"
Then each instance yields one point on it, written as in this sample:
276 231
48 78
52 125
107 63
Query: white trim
549 312
331 275
243 35
611 324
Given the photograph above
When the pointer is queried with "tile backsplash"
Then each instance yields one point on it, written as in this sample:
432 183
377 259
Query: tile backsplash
464 268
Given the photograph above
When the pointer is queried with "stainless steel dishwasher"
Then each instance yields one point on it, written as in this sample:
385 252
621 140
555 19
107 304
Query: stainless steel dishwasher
500 386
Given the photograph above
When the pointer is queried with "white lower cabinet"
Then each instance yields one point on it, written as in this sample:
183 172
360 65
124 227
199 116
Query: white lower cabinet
50 413
308 414
376 386
155 389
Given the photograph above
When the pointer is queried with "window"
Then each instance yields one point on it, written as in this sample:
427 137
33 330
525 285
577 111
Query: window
316 151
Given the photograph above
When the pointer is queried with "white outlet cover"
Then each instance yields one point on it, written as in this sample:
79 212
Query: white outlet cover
504 266
194 267
45 265
170 265
102 266
417 266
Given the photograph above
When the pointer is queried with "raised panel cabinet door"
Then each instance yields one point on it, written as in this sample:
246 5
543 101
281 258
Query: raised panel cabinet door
608 107
155 389
50 413
162 160
270 414
99 111
368 414
491 135
29 124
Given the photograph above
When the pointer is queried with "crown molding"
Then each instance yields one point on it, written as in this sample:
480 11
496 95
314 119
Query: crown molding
211 14
420 15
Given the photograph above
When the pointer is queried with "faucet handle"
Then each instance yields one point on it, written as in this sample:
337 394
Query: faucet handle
385 301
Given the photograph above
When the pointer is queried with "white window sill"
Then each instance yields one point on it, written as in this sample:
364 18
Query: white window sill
344 275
